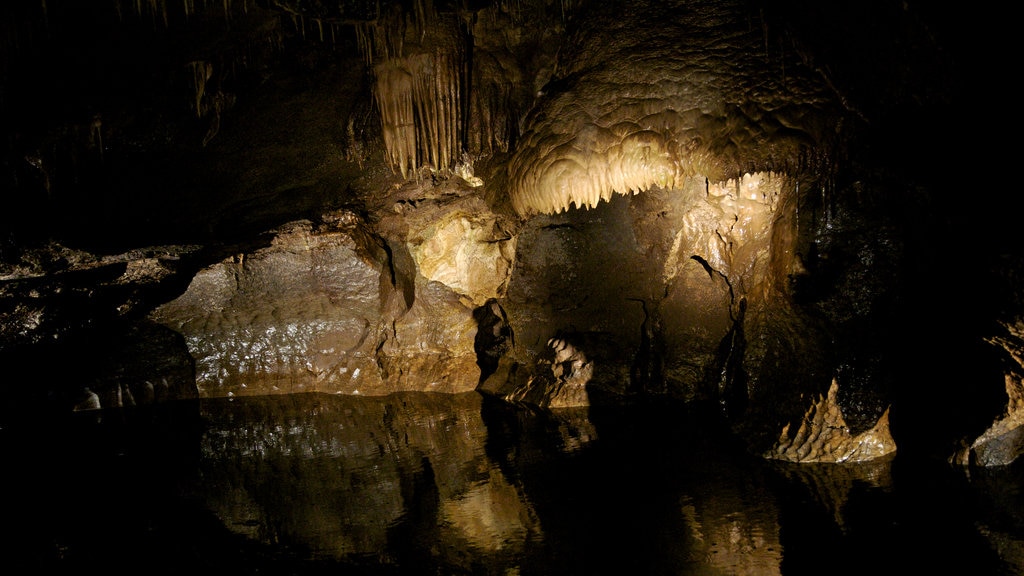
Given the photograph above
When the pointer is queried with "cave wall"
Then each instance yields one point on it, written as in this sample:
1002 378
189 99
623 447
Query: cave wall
716 201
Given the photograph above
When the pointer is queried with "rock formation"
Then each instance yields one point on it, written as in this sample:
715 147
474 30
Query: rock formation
1003 442
823 436
558 204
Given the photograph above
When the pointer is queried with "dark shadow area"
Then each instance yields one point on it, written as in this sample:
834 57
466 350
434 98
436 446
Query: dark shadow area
493 338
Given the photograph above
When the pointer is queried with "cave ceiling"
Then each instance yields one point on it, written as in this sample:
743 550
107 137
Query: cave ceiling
174 120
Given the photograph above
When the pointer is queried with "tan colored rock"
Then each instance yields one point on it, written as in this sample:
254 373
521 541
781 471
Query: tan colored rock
558 380
730 541
1003 442
323 308
823 436
635 119
467 251
490 515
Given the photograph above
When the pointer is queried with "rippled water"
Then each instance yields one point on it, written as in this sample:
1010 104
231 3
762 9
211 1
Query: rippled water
449 484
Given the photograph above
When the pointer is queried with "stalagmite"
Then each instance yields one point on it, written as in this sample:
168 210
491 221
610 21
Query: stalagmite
823 436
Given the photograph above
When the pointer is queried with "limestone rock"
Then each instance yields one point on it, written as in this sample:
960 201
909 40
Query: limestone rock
322 308
1003 442
558 380
633 112
823 436
461 244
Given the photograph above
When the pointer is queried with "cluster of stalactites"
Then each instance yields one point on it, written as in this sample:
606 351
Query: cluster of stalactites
383 38
419 103
554 177
417 88
522 10
158 10
575 159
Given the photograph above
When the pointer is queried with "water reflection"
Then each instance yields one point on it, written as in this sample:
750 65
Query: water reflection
450 484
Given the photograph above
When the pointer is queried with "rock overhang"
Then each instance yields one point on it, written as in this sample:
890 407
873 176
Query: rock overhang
663 92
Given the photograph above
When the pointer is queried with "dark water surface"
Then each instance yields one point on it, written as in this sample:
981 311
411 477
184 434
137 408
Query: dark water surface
449 484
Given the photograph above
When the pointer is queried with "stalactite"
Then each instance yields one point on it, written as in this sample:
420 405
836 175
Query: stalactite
364 41
161 7
379 40
423 16
202 71
568 6
418 95
393 93
419 99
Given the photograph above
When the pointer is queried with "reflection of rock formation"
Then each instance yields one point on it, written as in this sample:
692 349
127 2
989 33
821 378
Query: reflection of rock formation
823 436
830 485
489 516
649 490
339 476
1008 546
997 495
737 539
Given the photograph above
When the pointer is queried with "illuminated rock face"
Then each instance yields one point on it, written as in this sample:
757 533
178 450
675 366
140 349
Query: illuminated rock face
659 174
681 292
461 245
696 93
653 232
823 436
1002 442
293 316
668 200
326 307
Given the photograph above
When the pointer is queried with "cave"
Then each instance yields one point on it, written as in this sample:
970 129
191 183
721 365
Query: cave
493 260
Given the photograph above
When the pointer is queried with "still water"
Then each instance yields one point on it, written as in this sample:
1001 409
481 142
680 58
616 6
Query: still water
450 484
